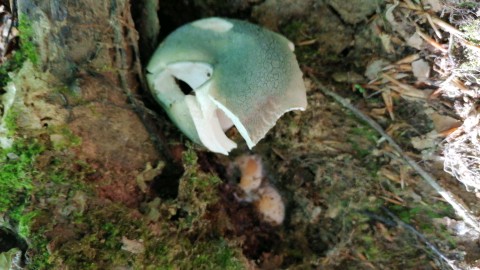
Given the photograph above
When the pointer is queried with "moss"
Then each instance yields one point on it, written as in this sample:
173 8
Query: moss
212 255
378 240
195 183
468 5
10 121
366 132
292 29
27 51
183 238
422 212
363 139
98 245
17 172
471 31
16 184
24 220
27 48
422 215
40 259
72 93
62 138
20 182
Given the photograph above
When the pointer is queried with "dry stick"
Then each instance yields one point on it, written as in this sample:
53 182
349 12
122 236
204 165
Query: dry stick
459 208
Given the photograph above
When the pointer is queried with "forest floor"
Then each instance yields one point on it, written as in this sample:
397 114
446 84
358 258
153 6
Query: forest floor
97 195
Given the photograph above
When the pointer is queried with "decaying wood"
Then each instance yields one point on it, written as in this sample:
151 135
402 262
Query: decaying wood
90 48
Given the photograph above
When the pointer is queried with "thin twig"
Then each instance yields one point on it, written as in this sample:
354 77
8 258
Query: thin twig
457 206
432 24
447 27
431 41
404 89
422 238
454 31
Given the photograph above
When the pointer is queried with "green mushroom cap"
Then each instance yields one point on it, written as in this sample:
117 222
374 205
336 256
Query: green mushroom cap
241 74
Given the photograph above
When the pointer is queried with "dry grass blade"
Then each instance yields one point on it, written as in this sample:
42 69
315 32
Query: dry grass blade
387 98
461 210
405 89
306 42
431 41
447 27
408 59
448 132
434 27
452 30
410 5
392 201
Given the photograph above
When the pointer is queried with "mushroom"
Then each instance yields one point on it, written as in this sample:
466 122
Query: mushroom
252 173
257 190
270 206
239 74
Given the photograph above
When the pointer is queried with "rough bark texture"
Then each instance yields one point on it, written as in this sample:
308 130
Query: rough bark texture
88 47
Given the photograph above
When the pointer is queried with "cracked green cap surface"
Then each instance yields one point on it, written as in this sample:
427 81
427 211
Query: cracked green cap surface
241 74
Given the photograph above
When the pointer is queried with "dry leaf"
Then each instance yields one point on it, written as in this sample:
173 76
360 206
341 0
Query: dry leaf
387 98
442 122
421 70
390 175
133 246
374 68
387 43
400 76
389 14
415 41
408 59
426 141
434 5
